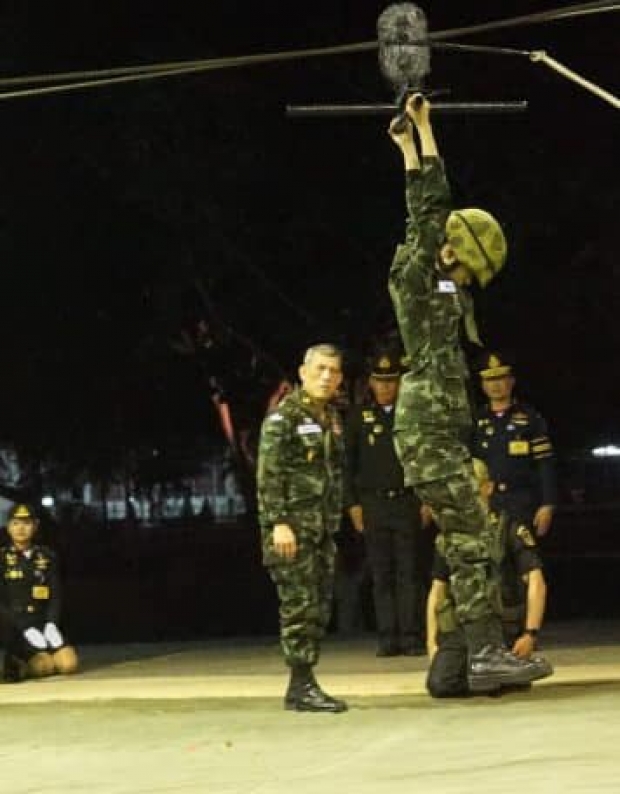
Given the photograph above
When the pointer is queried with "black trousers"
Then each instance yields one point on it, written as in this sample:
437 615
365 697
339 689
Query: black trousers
399 561
447 675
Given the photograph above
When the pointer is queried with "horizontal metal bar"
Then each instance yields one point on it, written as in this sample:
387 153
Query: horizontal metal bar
443 108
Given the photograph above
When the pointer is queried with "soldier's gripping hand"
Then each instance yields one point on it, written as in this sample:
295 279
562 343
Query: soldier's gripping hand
284 541
401 135
403 138
418 108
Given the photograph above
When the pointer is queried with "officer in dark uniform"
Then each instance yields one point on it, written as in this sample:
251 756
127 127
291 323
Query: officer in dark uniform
387 513
512 439
30 603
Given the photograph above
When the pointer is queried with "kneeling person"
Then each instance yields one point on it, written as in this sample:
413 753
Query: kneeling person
523 595
30 603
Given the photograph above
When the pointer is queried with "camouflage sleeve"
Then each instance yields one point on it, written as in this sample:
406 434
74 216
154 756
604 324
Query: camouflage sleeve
273 470
542 454
428 206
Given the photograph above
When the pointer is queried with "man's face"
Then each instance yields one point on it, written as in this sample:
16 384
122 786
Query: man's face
498 389
21 530
321 376
385 390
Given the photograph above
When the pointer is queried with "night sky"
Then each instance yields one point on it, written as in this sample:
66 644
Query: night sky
131 214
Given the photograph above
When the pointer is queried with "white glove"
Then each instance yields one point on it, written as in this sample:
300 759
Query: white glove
53 636
35 638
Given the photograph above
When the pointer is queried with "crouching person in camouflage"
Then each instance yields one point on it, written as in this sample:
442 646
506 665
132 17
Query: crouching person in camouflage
300 505
443 252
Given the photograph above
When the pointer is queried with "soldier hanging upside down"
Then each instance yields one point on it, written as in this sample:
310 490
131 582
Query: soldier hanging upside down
443 252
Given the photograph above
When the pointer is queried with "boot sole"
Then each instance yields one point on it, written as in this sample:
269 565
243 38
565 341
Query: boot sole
494 682
312 710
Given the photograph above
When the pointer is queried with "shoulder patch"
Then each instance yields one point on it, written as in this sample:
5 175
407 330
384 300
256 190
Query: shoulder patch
275 417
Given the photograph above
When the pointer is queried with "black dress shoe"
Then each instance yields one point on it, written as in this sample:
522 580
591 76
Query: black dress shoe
494 667
310 697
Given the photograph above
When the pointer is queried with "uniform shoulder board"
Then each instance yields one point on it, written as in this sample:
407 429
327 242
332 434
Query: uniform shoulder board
275 417
526 536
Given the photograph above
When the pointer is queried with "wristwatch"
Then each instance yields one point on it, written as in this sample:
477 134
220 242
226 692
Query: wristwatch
532 632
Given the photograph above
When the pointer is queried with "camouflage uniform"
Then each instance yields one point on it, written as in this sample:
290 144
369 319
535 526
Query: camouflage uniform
300 484
433 416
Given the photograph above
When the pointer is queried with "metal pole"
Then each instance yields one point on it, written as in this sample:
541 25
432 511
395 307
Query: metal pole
440 108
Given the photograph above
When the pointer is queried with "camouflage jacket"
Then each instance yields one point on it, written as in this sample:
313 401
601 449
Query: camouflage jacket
429 307
300 469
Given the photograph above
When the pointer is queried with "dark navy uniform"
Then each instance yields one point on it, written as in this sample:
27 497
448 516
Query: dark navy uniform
392 526
30 595
447 675
515 445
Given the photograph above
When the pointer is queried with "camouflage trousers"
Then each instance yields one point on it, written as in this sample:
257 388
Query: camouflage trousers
438 465
305 588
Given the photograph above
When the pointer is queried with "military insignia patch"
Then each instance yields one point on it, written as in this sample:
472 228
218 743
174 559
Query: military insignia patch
40 592
519 448
446 287
526 536
304 430
368 416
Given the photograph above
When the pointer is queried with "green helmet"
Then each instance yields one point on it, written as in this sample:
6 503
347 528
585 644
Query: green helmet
478 242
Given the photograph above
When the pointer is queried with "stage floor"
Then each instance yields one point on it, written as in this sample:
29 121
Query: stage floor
207 717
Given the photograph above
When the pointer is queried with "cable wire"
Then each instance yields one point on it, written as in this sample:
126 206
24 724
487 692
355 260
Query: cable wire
83 80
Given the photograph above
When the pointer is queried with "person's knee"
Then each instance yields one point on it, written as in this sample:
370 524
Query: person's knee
66 661
41 665
439 687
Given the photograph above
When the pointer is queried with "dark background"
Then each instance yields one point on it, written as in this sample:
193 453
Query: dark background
135 218
117 201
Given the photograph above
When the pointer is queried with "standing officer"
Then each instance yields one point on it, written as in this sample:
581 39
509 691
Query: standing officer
512 439
387 513
442 253
300 462
30 603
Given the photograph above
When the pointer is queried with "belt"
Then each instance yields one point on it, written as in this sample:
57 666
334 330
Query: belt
389 493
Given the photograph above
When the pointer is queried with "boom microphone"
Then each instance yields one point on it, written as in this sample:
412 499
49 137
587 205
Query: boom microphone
404 52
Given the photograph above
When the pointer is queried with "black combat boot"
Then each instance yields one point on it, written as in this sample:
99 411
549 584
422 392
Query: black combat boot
304 694
493 667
